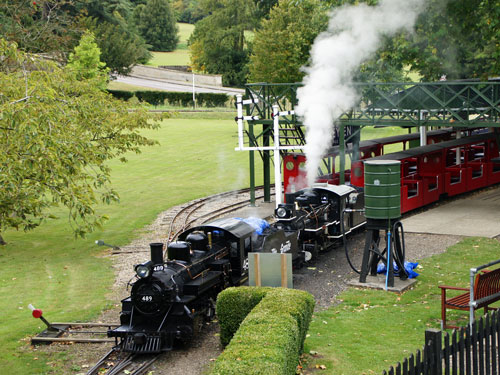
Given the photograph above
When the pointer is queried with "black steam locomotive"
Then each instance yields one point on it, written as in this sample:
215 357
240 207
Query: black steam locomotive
171 299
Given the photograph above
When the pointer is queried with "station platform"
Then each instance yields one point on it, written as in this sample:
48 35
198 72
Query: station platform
474 214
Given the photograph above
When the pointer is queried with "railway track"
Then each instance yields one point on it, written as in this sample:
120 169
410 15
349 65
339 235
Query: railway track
200 211
117 362
74 333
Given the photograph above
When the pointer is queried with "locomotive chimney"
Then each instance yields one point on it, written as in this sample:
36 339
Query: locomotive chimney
156 252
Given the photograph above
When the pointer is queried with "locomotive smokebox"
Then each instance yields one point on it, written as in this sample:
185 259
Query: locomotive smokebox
156 252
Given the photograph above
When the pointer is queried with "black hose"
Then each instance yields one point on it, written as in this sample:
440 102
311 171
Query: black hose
344 240
395 227
399 237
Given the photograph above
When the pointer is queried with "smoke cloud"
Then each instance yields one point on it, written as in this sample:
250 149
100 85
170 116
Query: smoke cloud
354 34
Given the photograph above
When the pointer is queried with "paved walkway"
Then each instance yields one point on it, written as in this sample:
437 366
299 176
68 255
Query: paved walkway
176 86
476 214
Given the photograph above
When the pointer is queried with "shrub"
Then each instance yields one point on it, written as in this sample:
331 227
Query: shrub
184 99
269 340
233 305
121 94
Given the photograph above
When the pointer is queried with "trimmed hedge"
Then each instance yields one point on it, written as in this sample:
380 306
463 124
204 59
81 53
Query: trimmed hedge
233 305
184 99
271 337
121 94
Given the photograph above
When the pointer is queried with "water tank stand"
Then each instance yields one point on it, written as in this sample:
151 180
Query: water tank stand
372 253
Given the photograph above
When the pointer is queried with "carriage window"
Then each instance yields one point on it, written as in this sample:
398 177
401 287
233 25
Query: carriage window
289 165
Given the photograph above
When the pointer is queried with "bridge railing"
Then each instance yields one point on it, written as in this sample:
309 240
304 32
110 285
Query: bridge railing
455 103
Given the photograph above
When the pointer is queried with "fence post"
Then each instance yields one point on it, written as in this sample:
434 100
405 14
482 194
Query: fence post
433 340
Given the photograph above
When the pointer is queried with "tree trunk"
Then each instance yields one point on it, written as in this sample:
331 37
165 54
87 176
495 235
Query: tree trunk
2 242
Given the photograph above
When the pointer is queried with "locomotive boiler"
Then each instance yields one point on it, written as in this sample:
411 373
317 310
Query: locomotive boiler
171 299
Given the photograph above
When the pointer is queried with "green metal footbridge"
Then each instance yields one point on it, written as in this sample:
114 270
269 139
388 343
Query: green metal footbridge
464 104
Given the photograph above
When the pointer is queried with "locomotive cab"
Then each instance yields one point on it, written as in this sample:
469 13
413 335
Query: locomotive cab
317 213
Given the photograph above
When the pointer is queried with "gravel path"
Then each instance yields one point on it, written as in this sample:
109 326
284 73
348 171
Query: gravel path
325 278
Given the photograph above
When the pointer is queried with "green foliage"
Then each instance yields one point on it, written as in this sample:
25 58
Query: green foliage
184 99
281 45
107 10
86 60
233 305
188 11
265 6
116 35
121 94
218 44
120 48
157 25
458 39
270 338
39 26
56 135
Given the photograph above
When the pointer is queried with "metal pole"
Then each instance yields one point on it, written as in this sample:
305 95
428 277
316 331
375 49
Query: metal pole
251 158
277 161
342 153
194 97
266 162
239 116
423 130
473 272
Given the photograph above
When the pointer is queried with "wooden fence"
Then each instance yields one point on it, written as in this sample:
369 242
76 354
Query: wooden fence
468 351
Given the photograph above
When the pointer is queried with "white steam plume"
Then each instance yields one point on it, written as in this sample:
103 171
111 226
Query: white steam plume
354 34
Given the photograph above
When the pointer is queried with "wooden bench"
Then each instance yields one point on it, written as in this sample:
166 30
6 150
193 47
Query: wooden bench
486 284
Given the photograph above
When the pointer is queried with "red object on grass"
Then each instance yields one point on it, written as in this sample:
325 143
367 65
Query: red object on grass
37 313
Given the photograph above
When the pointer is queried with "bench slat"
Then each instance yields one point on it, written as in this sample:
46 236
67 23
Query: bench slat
486 291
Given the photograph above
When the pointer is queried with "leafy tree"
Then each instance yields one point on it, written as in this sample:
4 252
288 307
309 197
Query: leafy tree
218 44
40 25
86 60
157 25
265 6
188 11
281 45
106 10
120 48
56 135
459 39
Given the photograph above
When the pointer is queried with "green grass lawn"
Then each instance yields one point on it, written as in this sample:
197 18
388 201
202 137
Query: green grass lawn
372 329
68 278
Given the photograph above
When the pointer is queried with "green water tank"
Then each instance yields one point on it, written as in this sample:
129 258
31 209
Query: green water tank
382 189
